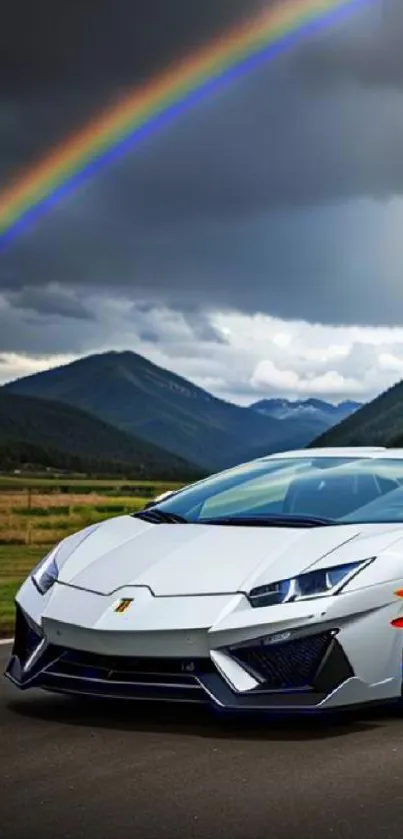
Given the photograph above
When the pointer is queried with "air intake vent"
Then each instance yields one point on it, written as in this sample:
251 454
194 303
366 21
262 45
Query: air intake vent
287 665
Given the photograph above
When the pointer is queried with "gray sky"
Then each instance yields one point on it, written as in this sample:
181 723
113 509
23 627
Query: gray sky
239 244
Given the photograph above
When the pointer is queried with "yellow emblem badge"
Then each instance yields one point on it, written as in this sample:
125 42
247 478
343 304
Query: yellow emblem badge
123 605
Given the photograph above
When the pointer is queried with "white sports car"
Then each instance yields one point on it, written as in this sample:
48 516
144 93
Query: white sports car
270 586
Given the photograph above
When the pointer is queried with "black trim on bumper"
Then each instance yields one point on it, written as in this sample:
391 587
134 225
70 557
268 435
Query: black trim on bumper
26 636
334 669
34 663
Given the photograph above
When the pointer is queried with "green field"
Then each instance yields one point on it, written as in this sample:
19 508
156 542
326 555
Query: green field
14 482
15 564
35 513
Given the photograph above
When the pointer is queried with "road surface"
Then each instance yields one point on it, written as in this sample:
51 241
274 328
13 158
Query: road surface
109 771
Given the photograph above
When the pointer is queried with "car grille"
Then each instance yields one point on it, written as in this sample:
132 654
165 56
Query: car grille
135 678
285 665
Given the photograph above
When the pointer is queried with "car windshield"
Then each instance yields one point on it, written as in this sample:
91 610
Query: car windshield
301 491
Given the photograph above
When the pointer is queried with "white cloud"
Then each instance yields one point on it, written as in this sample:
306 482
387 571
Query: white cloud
268 376
14 366
235 356
390 362
282 339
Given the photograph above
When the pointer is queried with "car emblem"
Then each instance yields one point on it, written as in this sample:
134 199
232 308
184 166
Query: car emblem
123 605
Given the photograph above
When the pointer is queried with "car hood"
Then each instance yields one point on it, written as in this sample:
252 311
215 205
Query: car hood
174 559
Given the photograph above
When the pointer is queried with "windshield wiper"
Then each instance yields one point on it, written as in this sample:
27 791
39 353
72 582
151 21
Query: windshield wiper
156 516
275 520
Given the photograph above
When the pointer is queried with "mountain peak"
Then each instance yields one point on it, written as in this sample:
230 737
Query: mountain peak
130 392
320 415
137 396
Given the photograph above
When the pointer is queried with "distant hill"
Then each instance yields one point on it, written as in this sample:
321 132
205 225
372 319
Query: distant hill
379 423
51 434
128 391
314 416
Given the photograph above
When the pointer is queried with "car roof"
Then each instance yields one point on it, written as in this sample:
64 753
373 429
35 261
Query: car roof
351 451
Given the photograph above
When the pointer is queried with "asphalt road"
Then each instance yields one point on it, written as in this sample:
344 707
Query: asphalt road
69 769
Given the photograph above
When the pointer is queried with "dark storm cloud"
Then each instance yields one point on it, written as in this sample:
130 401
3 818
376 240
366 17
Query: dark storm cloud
61 62
160 324
149 336
267 142
49 301
37 336
325 265
109 320
370 55
200 327
221 209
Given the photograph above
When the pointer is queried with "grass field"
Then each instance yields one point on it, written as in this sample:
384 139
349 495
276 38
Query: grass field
35 513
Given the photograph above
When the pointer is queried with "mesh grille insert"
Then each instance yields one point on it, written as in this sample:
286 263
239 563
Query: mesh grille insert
287 665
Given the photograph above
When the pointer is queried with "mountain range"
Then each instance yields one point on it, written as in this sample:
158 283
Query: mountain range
314 414
49 434
151 405
379 423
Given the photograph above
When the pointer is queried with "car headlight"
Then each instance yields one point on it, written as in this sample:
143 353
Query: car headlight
320 583
46 572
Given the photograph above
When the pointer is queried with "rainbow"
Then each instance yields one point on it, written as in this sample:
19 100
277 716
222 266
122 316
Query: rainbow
159 102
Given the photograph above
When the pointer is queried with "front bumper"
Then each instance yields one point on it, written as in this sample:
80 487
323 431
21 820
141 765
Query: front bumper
209 649
302 674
